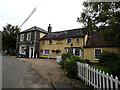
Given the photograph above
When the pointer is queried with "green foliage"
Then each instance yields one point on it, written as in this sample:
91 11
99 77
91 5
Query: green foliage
64 57
102 16
9 35
111 60
70 66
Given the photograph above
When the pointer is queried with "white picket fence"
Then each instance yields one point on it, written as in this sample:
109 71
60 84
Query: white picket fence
96 78
58 59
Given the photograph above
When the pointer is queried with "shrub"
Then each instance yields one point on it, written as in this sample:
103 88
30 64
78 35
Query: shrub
111 60
64 57
107 58
70 66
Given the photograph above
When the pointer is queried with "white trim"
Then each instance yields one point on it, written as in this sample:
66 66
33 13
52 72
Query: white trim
50 43
20 51
21 39
28 35
46 54
94 52
30 51
67 40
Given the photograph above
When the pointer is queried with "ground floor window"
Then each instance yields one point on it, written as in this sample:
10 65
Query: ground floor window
76 51
97 53
46 52
22 49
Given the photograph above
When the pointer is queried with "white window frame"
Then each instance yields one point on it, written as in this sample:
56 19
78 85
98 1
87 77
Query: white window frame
21 37
67 40
50 40
73 51
79 51
28 35
45 52
20 49
95 54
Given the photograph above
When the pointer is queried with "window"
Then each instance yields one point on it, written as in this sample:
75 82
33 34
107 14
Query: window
97 53
69 40
21 37
50 41
43 42
46 52
29 36
77 52
22 49
77 40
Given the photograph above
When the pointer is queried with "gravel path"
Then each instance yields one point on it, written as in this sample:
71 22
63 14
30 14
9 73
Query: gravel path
50 70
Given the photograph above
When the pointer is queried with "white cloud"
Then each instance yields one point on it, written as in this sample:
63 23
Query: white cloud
61 14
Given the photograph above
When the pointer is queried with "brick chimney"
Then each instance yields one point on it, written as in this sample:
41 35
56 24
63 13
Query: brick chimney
49 28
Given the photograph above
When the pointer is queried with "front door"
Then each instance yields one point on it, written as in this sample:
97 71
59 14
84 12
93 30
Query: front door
31 52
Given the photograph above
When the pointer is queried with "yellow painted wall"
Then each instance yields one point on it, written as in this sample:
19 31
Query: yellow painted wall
42 34
58 44
89 52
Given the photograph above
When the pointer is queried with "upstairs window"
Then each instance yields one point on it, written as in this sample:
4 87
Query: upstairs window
22 37
43 42
29 36
97 53
69 40
50 41
77 40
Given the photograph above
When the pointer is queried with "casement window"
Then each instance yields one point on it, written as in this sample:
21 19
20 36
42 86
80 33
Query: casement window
22 49
22 37
29 36
75 51
69 40
50 41
97 53
46 52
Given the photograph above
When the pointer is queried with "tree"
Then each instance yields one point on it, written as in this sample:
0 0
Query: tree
102 16
9 35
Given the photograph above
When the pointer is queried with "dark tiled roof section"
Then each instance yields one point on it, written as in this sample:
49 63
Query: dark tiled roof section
96 40
33 29
64 34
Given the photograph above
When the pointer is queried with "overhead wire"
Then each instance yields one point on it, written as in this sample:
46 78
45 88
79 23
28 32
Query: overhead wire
30 15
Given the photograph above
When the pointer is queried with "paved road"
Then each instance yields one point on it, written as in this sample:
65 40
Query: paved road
18 74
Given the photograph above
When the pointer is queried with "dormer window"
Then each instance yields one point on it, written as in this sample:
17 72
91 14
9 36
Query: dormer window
50 41
22 37
69 40
29 36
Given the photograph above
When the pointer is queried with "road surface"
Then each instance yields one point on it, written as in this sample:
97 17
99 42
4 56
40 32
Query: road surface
18 74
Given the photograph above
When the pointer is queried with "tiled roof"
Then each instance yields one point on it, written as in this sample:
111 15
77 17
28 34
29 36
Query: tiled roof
35 28
64 34
96 40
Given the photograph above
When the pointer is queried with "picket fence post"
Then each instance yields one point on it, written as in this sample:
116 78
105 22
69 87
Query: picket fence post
96 78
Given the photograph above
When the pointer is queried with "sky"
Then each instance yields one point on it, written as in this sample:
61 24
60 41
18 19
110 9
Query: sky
61 14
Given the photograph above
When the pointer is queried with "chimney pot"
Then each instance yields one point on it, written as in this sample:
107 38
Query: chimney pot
49 28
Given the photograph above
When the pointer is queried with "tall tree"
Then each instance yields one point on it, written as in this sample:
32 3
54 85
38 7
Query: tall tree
102 16
9 35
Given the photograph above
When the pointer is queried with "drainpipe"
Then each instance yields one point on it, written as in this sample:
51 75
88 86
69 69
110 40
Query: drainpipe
34 44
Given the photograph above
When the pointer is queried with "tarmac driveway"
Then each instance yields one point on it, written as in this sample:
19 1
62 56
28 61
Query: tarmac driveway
18 74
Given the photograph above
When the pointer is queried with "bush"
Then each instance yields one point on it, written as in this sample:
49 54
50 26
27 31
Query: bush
70 66
64 57
111 60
